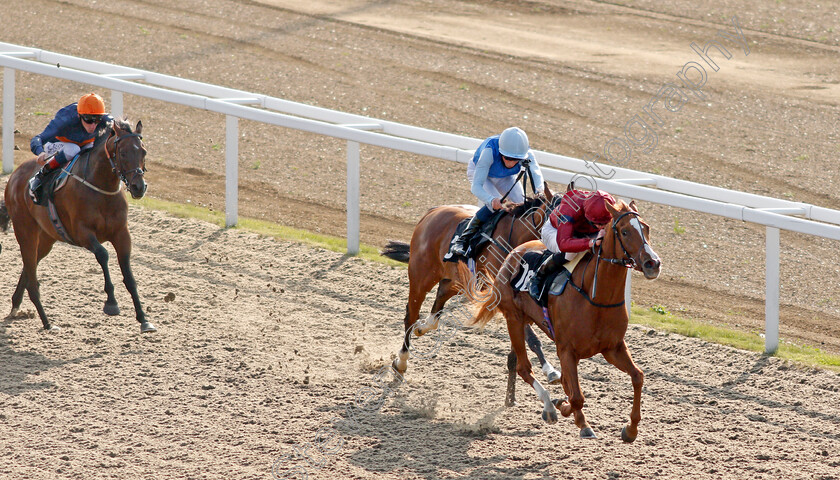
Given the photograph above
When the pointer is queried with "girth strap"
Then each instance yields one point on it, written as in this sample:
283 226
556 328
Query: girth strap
59 227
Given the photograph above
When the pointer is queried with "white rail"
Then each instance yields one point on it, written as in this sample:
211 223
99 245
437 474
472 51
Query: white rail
774 213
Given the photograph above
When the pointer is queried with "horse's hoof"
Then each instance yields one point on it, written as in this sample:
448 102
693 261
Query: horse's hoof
13 313
587 433
625 437
111 309
396 367
510 402
147 327
553 377
550 417
52 328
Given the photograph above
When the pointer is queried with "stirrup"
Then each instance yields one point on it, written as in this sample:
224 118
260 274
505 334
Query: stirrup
458 248
535 287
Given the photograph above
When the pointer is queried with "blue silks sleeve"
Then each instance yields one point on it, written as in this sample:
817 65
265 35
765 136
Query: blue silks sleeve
482 168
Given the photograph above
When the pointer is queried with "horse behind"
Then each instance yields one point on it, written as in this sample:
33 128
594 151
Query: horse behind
427 268
91 208
583 324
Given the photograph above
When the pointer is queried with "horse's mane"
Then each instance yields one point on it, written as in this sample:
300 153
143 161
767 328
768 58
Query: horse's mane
102 133
527 206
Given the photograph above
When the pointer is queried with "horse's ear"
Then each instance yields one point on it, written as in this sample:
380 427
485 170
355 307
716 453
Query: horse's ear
548 193
139 128
614 209
633 206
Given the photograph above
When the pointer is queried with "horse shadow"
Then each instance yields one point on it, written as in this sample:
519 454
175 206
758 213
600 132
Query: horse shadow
21 366
410 443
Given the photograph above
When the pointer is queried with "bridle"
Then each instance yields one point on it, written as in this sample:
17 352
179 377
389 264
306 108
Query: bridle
114 160
627 261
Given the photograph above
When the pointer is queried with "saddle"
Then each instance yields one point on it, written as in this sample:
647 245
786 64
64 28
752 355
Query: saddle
554 284
484 235
53 181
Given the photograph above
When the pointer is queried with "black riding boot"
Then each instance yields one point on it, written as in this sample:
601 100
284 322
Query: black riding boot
37 179
550 265
460 245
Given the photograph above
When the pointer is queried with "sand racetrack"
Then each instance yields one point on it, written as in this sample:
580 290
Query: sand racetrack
265 342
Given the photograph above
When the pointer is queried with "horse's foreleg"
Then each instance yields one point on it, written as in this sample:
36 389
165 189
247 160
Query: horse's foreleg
523 367
571 384
122 245
111 307
536 346
620 357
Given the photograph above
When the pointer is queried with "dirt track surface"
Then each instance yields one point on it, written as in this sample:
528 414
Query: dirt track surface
572 74
262 343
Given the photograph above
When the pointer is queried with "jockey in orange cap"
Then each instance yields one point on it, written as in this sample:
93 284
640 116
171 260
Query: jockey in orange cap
73 129
577 224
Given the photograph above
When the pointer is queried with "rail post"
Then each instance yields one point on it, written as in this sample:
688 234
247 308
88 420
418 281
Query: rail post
353 222
771 294
231 170
8 120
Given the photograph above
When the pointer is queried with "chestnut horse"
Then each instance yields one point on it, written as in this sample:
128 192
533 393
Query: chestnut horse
91 208
427 268
583 323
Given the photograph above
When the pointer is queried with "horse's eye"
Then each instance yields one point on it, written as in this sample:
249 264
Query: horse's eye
624 232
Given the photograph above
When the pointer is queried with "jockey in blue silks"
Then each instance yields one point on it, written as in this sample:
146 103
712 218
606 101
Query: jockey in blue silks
71 130
492 173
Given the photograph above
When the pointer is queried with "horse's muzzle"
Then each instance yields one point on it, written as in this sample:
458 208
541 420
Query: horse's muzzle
137 189
651 268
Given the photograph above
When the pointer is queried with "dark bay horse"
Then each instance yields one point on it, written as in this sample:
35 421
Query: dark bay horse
91 208
427 268
583 324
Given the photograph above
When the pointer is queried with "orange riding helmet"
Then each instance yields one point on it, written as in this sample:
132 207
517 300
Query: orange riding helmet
91 104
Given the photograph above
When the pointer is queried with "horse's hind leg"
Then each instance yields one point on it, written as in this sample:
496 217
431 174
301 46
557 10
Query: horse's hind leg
17 297
444 293
510 392
536 346
571 385
122 245
417 290
620 357
29 278
44 248
523 367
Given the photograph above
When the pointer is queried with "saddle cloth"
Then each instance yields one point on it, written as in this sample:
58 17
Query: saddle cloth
53 182
558 280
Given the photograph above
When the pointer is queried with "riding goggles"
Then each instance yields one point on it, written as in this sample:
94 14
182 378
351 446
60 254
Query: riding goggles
94 119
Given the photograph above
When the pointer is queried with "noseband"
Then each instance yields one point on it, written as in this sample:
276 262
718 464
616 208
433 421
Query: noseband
115 161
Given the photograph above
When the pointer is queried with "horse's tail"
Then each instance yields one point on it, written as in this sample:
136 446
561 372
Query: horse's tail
488 295
4 216
395 250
